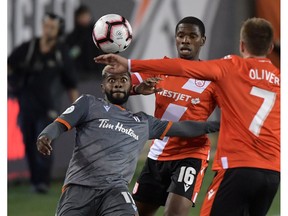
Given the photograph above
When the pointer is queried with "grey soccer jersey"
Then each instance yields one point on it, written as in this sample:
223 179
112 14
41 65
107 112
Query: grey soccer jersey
109 140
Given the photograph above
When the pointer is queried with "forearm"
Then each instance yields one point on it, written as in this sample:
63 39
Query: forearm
192 128
178 67
53 130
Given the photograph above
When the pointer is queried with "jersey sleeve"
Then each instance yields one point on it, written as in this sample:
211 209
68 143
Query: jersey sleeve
138 78
206 70
76 113
157 128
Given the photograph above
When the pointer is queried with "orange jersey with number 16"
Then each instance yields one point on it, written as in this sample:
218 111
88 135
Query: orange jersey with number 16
181 99
248 94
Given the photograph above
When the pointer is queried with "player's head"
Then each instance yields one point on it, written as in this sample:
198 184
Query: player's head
116 87
190 37
53 26
82 16
256 37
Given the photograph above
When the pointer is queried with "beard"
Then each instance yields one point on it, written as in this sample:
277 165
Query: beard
117 100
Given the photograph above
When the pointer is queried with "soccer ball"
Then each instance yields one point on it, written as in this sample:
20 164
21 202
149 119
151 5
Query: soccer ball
112 33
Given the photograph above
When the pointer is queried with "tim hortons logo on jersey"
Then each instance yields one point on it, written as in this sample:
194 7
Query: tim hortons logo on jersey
104 123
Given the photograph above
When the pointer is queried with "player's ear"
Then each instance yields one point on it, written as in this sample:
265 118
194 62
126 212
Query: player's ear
102 88
271 47
241 46
203 40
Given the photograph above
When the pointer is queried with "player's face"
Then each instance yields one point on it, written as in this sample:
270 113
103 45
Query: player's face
50 28
189 41
117 87
84 19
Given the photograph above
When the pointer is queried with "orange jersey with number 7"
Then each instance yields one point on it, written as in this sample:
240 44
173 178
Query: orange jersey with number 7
248 91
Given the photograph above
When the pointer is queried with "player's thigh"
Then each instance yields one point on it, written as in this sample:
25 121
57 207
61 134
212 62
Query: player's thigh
221 198
117 202
187 178
76 200
151 186
265 194
233 191
177 205
146 209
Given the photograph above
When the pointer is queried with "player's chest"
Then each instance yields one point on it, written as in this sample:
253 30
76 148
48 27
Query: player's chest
184 91
119 125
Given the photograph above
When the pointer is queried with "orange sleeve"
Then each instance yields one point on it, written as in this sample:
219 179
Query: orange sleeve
62 121
137 78
206 70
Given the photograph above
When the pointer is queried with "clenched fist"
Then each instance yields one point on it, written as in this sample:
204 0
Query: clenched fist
44 145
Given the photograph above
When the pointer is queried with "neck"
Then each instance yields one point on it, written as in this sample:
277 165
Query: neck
124 105
196 58
248 55
47 44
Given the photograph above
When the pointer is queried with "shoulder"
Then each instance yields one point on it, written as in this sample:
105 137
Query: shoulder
145 117
25 45
229 61
142 115
233 58
85 98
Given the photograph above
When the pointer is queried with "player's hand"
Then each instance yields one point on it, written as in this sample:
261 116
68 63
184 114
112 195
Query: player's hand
148 86
44 145
118 64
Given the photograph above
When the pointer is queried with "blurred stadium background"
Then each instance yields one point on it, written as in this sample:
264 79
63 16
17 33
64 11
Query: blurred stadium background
153 24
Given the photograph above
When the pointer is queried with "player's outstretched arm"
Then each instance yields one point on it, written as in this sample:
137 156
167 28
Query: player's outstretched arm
51 132
193 128
118 64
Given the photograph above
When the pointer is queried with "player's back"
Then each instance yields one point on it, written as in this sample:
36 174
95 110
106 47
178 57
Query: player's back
249 98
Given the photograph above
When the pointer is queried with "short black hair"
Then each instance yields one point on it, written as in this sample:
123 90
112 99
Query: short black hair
105 72
194 21
82 9
61 21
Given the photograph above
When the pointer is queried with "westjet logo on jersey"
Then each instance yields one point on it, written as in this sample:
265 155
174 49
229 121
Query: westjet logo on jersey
193 85
179 96
104 123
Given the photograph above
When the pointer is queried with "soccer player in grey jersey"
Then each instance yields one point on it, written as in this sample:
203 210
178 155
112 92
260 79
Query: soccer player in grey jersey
108 141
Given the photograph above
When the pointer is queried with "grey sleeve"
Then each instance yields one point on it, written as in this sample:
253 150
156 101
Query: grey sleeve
53 130
76 113
192 128
157 127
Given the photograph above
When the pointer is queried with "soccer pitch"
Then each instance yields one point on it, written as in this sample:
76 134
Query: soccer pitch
22 202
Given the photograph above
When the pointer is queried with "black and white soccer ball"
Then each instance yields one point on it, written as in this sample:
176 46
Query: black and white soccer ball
112 33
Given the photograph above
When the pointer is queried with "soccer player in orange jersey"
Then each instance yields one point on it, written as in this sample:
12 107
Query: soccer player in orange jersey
175 166
247 159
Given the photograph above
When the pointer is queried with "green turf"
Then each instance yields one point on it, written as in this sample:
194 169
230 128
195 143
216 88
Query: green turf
22 202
